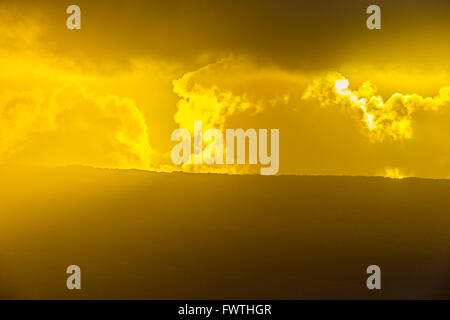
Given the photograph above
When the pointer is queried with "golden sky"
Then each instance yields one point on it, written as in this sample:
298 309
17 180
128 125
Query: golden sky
347 100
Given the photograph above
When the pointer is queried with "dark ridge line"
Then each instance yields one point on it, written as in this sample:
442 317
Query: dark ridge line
224 174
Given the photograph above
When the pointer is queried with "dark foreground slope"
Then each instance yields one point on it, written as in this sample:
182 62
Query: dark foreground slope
187 236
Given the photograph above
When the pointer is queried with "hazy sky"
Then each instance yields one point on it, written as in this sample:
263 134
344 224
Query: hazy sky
347 100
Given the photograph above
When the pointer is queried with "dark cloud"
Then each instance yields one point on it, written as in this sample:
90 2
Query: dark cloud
307 35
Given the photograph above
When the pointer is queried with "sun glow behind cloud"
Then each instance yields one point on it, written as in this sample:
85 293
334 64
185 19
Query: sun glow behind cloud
393 173
383 119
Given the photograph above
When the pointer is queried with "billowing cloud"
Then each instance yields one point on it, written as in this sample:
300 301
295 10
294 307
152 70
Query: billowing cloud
390 119
73 126
19 114
356 131
230 94
231 87
202 99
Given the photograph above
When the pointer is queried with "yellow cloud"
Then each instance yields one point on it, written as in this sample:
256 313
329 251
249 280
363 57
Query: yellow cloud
381 119
232 86
19 113
202 99
73 126
393 173
229 89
